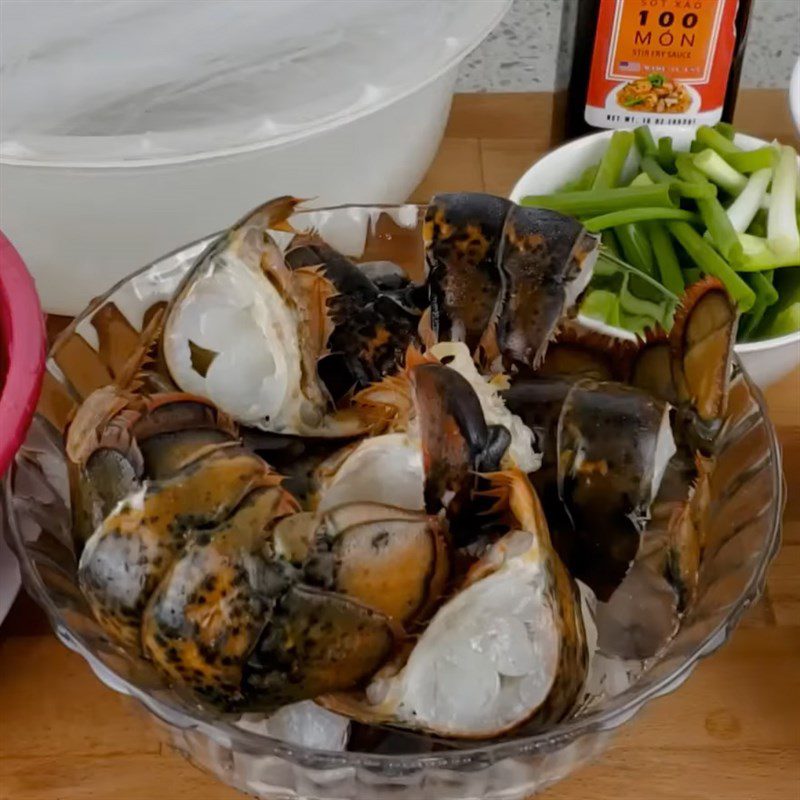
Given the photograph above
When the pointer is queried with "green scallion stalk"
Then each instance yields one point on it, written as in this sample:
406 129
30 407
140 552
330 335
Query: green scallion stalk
642 179
603 305
766 296
603 201
610 242
742 211
692 275
636 247
758 225
687 171
725 129
761 284
721 231
583 181
668 267
712 263
691 189
752 160
638 253
713 166
694 190
782 229
616 218
708 137
758 255
655 171
666 155
748 324
784 316
645 143
613 160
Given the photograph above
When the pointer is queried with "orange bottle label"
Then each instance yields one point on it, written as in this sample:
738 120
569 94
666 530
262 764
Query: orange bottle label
660 62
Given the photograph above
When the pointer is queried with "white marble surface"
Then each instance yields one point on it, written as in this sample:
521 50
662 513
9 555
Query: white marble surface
520 55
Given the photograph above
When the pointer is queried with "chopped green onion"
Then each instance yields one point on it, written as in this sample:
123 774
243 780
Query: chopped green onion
613 160
708 137
784 316
645 143
666 155
691 189
780 322
610 242
692 275
762 286
655 171
642 179
752 160
758 227
744 208
694 190
601 201
748 324
725 129
782 232
603 305
720 230
711 262
636 247
720 171
615 218
687 171
583 181
666 258
766 295
758 255
636 305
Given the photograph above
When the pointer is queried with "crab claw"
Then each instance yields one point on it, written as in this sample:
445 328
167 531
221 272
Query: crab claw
702 339
230 621
462 233
368 329
316 642
547 260
651 367
506 650
454 434
117 438
614 444
135 545
394 561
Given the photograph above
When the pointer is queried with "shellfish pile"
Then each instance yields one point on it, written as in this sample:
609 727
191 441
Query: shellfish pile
317 479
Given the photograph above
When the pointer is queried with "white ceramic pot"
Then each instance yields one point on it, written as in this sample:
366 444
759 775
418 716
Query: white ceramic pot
766 362
129 129
81 229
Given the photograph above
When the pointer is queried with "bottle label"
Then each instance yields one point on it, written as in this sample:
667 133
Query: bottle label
660 62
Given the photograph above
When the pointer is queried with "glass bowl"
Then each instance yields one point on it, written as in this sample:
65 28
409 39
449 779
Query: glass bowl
746 506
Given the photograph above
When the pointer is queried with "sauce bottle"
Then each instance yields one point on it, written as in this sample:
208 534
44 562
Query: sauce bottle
662 63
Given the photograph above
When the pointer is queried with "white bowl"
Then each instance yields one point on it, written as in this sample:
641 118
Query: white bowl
129 128
766 361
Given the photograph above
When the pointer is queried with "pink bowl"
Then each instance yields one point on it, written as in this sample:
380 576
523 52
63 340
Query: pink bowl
22 350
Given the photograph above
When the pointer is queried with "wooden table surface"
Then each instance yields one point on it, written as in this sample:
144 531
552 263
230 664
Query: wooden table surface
732 731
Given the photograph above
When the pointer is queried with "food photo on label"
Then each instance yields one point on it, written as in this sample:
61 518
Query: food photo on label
404 409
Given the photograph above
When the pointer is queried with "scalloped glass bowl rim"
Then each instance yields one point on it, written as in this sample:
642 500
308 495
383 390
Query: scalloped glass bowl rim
621 708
